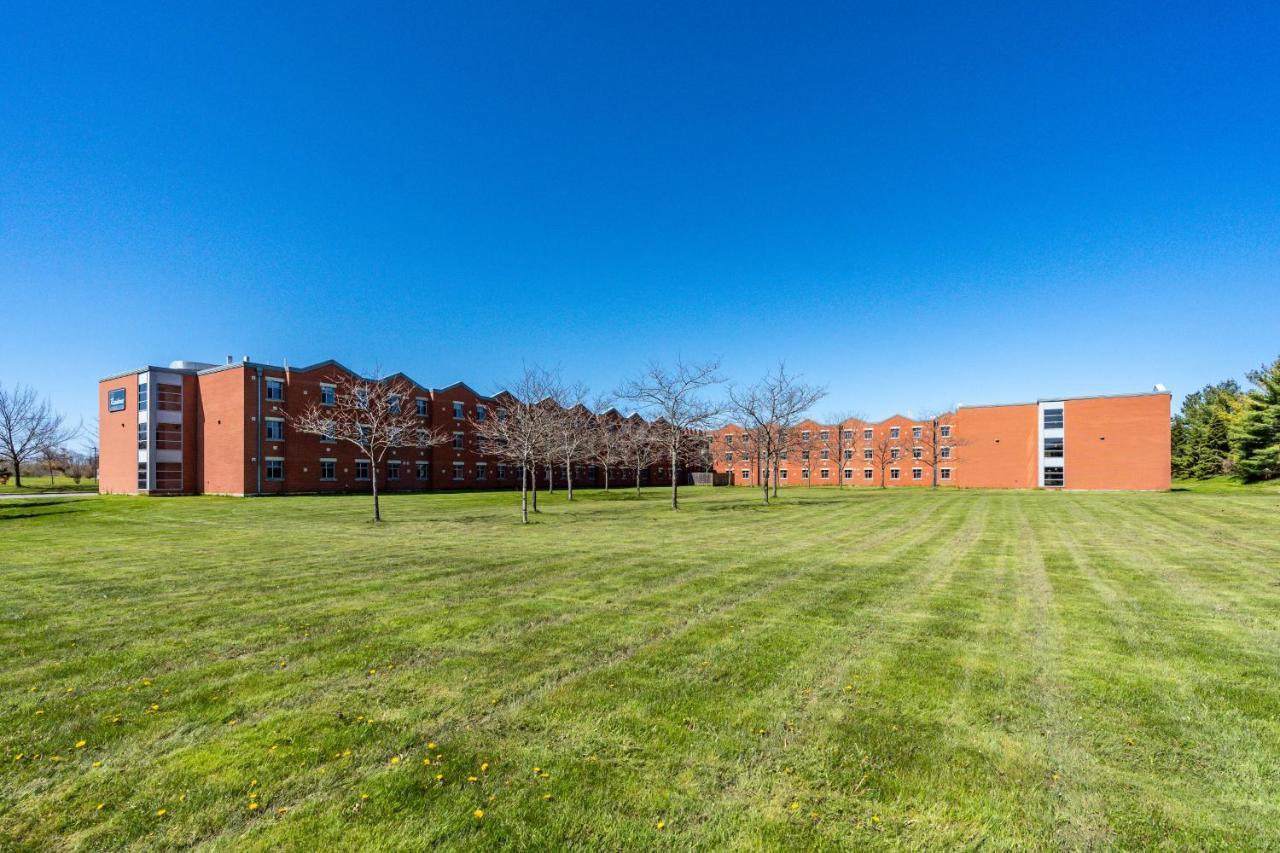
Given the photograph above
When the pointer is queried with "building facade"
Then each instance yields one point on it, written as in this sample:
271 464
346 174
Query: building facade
1104 442
196 428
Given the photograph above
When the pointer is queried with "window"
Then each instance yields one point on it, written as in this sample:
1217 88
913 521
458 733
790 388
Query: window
423 470
746 474
328 432
1053 476
393 469
328 395
115 399
825 474
142 475
944 473
804 473
782 475
142 435
275 468
746 437
393 404
459 441
502 471
482 413
275 429
824 435
482 470
916 431
782 454
945 430
328 469
944 452
275 389
168 397
362 398
868 474
1053 448
1053 418
895 453
848 454
420 406
866 434
824 454
168 476
394 434
457 411
894 473
917 473
728 439
458 471
804 435
868 454
168 436
362 469
804 454
917 453
847 435
894 432
363 432
728 457
848 473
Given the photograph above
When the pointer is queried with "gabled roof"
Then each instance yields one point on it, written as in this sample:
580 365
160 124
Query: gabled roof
464 386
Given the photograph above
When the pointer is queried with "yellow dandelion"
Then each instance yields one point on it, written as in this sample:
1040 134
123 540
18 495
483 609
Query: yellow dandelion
662 824
426 760
373 672
80 744
161 812
431 745
395 759
439 777
39 712
146 682
155 707
484 767
364 796
537 770
479 813
346 753
282 810
274 747
253 795
18 757
97 764
795 806
253 782
546 796
875 818
101 806
471 779
253 807
232 722
182 798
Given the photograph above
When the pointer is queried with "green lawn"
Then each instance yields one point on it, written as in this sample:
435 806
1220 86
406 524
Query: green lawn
862 668
34 484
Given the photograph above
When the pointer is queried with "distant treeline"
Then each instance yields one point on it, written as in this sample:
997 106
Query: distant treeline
1224 429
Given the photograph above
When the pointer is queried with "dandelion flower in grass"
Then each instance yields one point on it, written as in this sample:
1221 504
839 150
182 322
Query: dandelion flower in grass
471 779
479 813
484 767
395 759
39 712
431 745
662 824
364 796
253 807
282 810
426 760
439 777
97 764
101 806
546 796
537 770
80 744
18 757
161 812
155 707
795 806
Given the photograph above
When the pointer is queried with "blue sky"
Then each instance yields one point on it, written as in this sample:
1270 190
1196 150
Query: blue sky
913 205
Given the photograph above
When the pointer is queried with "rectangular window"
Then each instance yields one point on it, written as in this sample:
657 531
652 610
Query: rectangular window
847 435
804 473
917 473
168 476
393 469
459 471
482 470
458 441
824 435
848 473
1053 476
868 474
142 396
168 436
894 473
393 436
329 432
728 439
866 434
423 470
917 453
746 474
894 432
482 414
728 457
1053 448
944 452
420 405
824 454
944 473
142 435
328 469
115 399
362 398
895 453
848 455
1053 418
275 429
328 395
804 435
421 438
502 471
825 473
275 468
916 431
362 469
142 476
275 389
782 475
868 454
393 404
945 430
782 454
168 397
804 454
457 411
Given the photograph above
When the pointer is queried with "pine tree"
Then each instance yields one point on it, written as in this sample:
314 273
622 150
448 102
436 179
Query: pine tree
1255 431
1199 438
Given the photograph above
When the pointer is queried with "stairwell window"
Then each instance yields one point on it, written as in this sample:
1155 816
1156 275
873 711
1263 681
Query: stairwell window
168 436
1053 477
1053 448
168 397
1053 418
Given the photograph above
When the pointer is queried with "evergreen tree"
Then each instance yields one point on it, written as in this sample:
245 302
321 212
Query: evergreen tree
1255 431
1199 435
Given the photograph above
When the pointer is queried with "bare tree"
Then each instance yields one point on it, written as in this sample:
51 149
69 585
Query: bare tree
885 450
374 416
641 447
29 428
794 399
517 431
847 441
770 409
806 440
607 446
674 396
938 442
571 431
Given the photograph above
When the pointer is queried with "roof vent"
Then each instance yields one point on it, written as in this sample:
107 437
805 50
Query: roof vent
246 359
1160 389
230 359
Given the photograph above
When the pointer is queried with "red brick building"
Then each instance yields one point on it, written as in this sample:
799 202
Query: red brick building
195 428
1104 442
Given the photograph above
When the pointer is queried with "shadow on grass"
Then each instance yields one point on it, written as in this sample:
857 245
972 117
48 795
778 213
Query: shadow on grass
44 509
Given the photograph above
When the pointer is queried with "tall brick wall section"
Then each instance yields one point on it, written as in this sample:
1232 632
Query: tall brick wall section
1117 442
221 460
118 438
997 447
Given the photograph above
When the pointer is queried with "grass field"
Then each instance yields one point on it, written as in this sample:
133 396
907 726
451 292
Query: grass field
862 668
39 485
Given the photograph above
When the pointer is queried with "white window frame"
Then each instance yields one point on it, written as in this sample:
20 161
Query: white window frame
459 410
368 471
266 469
276 382
917 473
270 421
421 406
332 394
459 472
944 473
895 473
334 463
944 430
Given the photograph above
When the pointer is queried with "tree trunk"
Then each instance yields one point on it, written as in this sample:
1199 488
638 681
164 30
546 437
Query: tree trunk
606 476
373 480
532 473
551 479
17 475
675 487
637 480
568 476
777 467
762 466
524 494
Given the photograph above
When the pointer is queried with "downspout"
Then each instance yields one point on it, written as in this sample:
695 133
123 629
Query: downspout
257 468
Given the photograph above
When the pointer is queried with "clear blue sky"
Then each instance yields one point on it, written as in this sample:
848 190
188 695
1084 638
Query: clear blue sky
916 206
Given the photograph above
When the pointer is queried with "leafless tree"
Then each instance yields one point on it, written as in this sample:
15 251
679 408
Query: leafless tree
29 428
769 409
518 428
675 398
885 450
572 431
607 445
938 442
846 440
374 415
641 446
807 442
